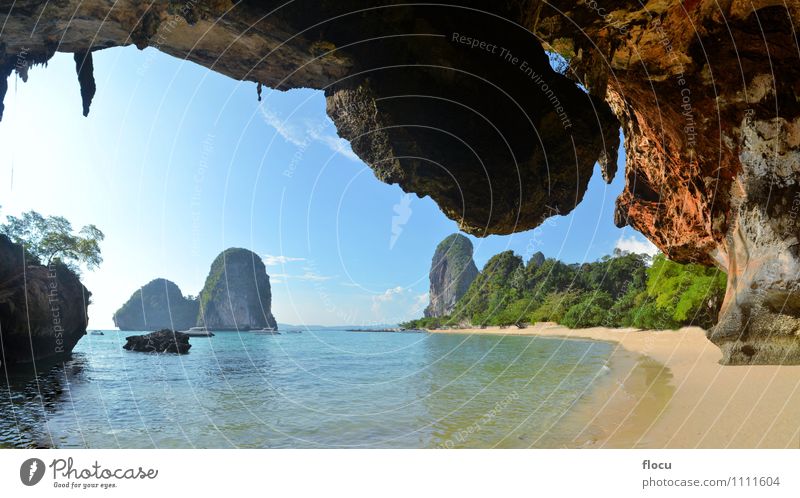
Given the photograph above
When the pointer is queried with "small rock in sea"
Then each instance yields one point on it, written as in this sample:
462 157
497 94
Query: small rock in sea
162 341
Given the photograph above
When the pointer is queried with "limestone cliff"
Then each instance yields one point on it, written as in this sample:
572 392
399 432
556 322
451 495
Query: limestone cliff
458 102
707 94
452 272
236 295
157 305
42 309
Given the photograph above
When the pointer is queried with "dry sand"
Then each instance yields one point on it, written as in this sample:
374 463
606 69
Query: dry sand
667 390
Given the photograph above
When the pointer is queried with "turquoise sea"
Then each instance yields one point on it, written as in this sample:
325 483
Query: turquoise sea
315 389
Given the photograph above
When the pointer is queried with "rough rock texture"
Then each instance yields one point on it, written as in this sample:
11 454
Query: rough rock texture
236 294
452 272
162 341
537 259
497 138
157 305
706 92
42 309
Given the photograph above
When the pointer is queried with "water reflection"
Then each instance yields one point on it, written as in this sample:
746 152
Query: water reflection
317 389
507 392
28 398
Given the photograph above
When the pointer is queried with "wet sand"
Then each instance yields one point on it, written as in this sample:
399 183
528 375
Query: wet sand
666 389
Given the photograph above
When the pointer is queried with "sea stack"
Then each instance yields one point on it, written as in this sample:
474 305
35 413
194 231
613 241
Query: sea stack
42 308
452 272
236 295
157 305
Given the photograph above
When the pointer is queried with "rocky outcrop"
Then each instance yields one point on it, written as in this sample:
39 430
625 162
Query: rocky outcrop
162 341
459 103
504 270
236 295
537 260
452 272
711 141
42 309
157 305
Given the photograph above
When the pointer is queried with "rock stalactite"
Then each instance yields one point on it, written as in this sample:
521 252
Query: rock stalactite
85 69
460 103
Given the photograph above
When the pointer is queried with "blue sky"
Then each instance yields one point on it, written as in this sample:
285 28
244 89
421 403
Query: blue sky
176 163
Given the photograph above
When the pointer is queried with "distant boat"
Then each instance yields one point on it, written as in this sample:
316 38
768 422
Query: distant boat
96 332
267 331
198 332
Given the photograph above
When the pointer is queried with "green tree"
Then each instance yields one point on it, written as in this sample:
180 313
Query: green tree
689 294
619 290
554 306
591 311
51 239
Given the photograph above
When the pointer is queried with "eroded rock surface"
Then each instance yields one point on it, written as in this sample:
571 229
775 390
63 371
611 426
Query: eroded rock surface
706 92
452 272
237 294
456 102
42 309
162 341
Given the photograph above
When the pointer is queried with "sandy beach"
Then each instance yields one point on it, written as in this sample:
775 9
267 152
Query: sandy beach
667 390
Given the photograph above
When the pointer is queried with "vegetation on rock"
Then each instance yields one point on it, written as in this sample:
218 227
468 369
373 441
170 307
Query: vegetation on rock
157 305
43 309
621 290
237 293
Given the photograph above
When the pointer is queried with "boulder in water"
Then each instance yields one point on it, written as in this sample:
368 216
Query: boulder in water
162 341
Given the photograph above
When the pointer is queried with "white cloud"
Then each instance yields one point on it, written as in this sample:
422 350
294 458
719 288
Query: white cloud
381 300
307 276
397 304
285 129
636 245
402 212
273 260
310 131
335 143
389 294
421 302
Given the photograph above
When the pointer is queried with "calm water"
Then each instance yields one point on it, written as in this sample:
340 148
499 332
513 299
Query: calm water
315 389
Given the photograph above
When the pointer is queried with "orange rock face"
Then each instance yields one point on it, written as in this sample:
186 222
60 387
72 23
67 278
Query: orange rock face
707 94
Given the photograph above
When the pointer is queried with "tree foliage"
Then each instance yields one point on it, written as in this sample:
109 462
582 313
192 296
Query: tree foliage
51 239
619 290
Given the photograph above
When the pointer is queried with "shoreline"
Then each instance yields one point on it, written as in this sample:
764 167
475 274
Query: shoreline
666 389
